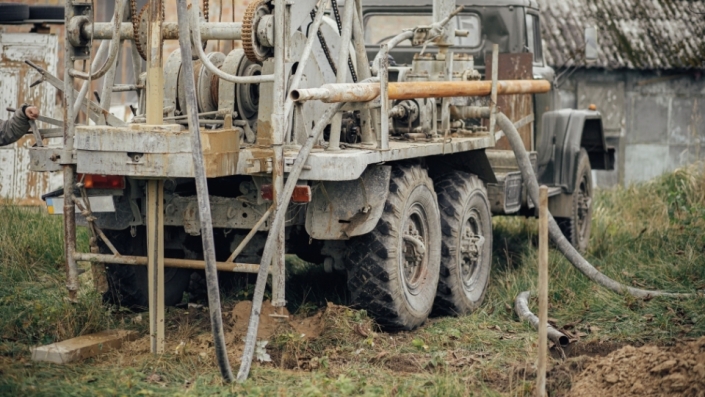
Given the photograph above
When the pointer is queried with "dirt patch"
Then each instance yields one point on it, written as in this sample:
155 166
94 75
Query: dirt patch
590 349
646 371
272 321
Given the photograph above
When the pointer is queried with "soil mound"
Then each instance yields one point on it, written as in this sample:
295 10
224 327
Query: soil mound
273 320
646 371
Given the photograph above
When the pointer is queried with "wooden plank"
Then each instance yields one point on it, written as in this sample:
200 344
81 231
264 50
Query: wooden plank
155 263
82 347
543 291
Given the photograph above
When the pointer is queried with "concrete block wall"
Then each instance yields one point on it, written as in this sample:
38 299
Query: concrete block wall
662 119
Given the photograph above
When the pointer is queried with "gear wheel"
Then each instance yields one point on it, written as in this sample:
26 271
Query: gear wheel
253 50
140 26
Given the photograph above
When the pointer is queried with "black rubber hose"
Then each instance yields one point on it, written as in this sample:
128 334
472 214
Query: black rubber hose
563 245
204 209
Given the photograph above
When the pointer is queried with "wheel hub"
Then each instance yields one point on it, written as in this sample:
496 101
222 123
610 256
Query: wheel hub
471 245
583 206
414 241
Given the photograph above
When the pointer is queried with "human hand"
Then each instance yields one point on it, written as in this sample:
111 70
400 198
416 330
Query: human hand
31 112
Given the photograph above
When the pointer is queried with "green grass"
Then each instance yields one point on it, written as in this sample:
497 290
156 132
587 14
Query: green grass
650 235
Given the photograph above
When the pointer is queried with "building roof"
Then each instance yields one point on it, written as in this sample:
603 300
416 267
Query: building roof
633 34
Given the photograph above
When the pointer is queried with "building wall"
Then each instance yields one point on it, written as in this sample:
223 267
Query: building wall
655 120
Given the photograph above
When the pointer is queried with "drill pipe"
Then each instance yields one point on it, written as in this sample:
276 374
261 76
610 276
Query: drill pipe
334 93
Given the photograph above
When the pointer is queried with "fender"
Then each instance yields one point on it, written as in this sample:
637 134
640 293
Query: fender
565 132
342 209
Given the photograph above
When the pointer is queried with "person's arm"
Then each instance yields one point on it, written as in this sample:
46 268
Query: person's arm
18 125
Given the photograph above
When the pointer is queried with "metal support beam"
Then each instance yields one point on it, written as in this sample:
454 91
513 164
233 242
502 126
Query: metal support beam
493 88
155 263
69 170
168 262
383 143
155 189
279 125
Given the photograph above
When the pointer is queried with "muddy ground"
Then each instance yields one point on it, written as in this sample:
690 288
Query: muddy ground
319 342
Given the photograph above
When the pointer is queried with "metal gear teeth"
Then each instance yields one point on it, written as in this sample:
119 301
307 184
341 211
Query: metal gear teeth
248 31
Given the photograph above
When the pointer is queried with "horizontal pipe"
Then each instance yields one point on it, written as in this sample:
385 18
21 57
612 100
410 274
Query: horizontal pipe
333 93
127 87
170 31
168 262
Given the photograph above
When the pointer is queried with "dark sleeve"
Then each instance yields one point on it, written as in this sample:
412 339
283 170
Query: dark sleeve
14 128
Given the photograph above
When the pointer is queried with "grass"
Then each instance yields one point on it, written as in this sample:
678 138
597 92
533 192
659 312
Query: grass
650 235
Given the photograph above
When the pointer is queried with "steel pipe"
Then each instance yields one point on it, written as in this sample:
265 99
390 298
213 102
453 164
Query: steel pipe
334 93
170 31
168 262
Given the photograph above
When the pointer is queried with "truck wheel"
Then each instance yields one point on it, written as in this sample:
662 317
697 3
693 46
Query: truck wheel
466 252
393 270
576 228
12 12
127 284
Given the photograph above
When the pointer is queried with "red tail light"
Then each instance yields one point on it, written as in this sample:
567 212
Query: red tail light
92 181
302 193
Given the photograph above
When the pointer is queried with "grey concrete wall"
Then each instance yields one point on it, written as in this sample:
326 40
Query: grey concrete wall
655 120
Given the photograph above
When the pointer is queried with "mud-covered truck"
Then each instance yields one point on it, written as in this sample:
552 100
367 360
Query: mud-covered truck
362 136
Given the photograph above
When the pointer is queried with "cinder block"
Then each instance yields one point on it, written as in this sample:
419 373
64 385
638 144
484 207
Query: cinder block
82 347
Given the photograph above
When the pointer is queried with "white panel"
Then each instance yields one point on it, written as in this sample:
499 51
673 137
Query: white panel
7 164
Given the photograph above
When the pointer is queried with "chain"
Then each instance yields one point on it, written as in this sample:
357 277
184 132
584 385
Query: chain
324 46
136 27
336 12
206 8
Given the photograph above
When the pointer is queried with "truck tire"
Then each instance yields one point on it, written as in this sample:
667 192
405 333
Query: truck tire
13 12
393 270
576 228
46 13
127 284
466 251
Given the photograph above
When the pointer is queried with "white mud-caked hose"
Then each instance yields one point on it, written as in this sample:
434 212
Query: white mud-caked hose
563 245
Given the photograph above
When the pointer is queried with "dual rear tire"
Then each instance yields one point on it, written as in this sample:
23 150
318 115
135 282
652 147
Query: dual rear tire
428 252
